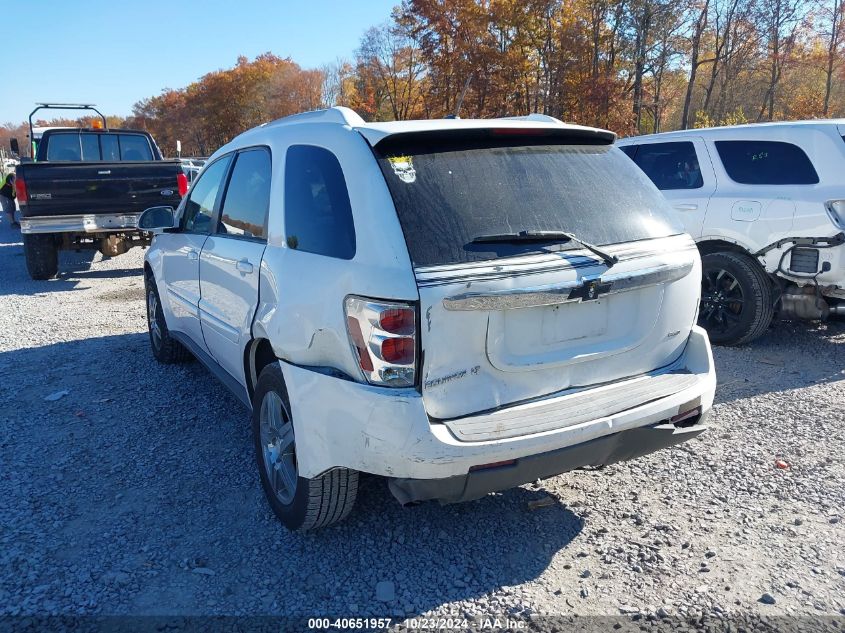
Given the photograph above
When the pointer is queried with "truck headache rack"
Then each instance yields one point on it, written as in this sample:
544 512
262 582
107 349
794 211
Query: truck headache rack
65 106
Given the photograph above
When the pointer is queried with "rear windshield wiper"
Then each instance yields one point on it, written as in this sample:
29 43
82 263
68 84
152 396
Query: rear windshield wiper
546 236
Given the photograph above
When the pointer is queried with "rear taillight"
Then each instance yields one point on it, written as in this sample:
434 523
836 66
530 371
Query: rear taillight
182 182
20 191
383 336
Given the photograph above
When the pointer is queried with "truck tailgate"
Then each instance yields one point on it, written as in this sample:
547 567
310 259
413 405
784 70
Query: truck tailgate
98 187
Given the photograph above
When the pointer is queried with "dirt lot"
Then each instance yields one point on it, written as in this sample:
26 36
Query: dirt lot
135 492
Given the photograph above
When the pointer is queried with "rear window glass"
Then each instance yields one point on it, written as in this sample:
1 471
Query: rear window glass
670 165
766 163
63 147
446 196
90 147
134 147
96 147
110 147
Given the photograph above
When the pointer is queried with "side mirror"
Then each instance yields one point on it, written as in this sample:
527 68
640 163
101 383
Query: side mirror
157 219
13 143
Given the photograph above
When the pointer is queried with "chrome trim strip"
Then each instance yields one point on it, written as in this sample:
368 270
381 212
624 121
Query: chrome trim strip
504 268
81 223
555 294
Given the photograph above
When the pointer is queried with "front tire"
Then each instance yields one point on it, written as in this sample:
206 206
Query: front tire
166 349
301 504
42 255
737 303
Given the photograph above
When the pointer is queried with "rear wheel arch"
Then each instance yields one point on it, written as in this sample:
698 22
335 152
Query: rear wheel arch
706 247
258 354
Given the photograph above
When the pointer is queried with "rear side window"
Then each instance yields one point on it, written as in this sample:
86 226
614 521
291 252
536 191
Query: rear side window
766 163
449 193
670 165
244 212
318 214
134 147
64 147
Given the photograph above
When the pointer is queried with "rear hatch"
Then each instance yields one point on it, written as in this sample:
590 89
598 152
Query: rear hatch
508 318
70 188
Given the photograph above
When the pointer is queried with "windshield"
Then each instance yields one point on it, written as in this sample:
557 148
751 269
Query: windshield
446 196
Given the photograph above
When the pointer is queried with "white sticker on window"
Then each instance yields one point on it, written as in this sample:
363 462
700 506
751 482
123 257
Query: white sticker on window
403 166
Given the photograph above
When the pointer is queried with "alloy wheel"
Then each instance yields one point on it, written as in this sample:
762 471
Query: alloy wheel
722 300
152 316
278 447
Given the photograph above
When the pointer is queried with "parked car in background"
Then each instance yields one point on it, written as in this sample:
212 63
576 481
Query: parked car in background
189 169
86 189
459 306
766 206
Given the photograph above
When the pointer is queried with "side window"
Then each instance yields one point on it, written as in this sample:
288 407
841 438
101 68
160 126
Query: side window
670 165
766 163
318 214
134 147
109 147
244 210
63 147
90 147
199 206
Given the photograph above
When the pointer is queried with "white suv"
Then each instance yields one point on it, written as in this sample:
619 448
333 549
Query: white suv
459 306
766 205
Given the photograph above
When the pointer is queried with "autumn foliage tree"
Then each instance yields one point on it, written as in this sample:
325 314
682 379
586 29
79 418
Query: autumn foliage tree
634 66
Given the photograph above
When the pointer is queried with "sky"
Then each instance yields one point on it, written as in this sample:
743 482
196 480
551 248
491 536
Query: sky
116 52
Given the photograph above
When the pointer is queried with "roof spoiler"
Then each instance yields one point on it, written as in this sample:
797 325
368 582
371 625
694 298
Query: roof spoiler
495 136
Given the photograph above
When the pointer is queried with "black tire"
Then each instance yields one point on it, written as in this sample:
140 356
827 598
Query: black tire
165 348
315 503
737 302
42 255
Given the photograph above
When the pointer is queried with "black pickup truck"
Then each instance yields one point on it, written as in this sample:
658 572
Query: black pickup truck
86 189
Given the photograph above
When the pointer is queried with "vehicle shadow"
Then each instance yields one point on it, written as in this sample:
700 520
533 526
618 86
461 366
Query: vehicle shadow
785 357
152 475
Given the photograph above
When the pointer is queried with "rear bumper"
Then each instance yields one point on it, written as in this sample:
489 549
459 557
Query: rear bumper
339 423
598 452
80 223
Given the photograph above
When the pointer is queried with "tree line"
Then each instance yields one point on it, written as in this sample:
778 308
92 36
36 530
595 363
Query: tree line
634 66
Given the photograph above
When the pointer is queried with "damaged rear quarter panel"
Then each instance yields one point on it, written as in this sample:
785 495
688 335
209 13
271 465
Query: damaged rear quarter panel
301 308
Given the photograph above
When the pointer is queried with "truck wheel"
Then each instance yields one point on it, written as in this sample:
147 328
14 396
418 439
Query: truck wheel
736 298
42 255
165 348
301 504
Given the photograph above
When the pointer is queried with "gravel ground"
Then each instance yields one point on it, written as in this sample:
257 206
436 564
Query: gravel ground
137 493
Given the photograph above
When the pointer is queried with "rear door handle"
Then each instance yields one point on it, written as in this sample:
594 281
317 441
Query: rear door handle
244 266
686 207
193 255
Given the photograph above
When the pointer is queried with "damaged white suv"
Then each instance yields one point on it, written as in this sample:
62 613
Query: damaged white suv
459 306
